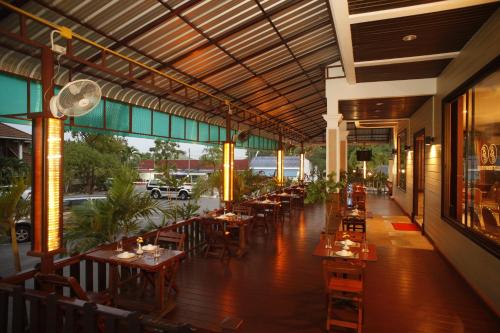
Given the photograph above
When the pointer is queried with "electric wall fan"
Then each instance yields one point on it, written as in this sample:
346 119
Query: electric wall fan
242 136
75 99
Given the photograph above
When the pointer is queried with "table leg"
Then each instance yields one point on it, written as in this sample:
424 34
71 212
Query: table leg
242 247
160 289
113 281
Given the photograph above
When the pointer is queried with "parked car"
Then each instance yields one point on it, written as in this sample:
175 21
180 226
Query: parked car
159 189
23 226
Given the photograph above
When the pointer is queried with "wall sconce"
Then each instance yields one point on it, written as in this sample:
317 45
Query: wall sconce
47 186
394 151
407 147
429 140
228 171
279 167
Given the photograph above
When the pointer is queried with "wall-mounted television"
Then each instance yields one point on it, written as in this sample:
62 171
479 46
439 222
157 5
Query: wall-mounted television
364 155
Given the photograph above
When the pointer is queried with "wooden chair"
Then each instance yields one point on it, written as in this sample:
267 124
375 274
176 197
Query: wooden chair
59 282
174 239
216 239
344 282
359 199
263 217
234 229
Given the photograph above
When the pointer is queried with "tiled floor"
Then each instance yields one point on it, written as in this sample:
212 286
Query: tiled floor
278 286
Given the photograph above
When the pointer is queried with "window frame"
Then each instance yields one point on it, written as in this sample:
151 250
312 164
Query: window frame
446 161
400 152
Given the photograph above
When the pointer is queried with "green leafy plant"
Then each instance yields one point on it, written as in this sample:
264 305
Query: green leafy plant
187 210
103 221
12 208
318 190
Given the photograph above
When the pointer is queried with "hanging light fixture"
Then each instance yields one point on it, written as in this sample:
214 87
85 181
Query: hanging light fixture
228 160
279 163
48 134
301 167
228 171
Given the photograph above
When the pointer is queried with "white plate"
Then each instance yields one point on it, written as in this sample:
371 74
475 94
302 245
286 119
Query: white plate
230 214
125 255
149 247
344 253
348 242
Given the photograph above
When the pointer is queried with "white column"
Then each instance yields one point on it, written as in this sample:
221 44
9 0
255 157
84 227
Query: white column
333 143
343 146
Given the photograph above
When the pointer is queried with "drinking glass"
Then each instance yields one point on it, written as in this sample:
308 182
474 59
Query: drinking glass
364 247
119 245
157 253
328 241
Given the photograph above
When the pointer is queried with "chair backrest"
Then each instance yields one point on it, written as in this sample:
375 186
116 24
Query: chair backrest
171 237
489 219
70 282
351 269
243 210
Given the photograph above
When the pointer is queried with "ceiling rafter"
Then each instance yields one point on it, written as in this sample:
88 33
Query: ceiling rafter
70 17
302 86
227 34
280 107
284 42
137 33
260 52
269 70
303 112
276 83
229 54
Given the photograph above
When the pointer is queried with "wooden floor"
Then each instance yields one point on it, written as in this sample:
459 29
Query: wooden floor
278 286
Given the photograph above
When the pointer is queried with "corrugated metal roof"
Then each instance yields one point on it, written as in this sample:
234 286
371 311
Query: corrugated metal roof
268 53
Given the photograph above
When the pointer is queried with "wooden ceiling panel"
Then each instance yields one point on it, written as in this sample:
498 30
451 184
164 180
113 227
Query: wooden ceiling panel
401 71
364 6
381 108
438 32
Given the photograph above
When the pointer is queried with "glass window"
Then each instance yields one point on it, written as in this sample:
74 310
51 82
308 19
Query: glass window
472 166
401 175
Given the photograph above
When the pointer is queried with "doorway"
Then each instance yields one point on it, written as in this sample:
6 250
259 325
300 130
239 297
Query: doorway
418 177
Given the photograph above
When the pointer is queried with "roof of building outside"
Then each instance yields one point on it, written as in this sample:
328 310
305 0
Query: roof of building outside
189 164
270 162
8 132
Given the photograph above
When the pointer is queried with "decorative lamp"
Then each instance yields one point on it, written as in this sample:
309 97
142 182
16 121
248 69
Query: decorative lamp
279 166
48 170
301 166
228 171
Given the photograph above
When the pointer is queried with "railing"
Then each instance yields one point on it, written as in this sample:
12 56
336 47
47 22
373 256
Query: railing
24 304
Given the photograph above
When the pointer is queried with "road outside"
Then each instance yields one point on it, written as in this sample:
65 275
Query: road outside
27 262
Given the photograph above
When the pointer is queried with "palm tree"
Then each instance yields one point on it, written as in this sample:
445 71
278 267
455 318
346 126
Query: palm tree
12 208
103 221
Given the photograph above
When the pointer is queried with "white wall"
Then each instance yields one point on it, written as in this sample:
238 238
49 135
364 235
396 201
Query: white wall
480 268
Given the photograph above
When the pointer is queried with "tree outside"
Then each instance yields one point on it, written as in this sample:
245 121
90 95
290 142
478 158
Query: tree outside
13 208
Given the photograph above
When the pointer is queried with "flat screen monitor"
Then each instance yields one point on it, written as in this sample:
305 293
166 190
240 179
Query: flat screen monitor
364 155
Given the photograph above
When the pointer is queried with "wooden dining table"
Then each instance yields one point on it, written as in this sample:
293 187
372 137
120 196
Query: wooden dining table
322 251
160 268
267 205
242 222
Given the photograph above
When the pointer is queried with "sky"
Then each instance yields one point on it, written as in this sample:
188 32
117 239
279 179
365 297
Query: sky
143 145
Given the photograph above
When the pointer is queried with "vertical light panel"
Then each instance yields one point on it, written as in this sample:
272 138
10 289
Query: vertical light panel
53 182
279 167
228 171
301 170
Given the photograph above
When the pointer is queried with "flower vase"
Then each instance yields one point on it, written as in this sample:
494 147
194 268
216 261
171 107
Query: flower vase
139 249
